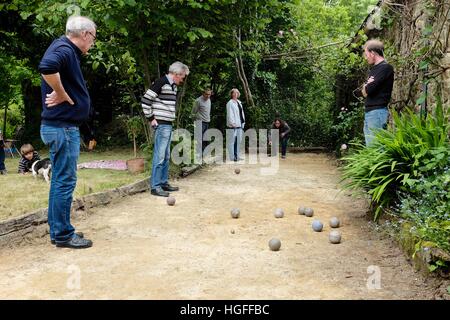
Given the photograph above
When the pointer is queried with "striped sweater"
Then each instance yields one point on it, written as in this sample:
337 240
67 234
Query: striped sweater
25 164
159 102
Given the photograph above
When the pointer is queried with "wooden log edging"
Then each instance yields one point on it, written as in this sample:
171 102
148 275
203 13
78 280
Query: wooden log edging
34 224
307 149
15 229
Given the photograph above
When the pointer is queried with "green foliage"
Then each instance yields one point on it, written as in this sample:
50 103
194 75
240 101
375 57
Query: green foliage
349 123
13 71
398 157
138 40
427 206
134 128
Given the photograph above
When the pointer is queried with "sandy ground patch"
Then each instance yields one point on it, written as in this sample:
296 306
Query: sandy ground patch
145 249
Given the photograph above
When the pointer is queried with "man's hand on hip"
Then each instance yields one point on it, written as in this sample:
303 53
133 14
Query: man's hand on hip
53 99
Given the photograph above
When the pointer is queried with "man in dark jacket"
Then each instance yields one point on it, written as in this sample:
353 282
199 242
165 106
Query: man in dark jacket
66 105
377 89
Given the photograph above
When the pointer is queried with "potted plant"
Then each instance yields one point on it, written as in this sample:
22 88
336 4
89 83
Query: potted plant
134 126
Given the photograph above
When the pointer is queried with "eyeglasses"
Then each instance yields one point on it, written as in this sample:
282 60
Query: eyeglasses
93 36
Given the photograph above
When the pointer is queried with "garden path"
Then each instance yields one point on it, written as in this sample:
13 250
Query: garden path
145 249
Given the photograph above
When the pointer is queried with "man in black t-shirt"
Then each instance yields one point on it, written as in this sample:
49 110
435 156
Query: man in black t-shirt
377 89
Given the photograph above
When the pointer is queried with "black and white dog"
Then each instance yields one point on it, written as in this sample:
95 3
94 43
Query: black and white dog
43 168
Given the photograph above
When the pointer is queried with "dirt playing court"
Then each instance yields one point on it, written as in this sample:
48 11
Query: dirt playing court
144 249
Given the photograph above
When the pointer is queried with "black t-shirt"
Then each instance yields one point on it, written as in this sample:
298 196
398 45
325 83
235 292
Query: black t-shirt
380 90
241 115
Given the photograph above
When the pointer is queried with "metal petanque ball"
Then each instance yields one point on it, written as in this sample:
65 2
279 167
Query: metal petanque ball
334 222
171 201
309 212
301 210
237 170
274 244
278 213
235 213
317 226
335 237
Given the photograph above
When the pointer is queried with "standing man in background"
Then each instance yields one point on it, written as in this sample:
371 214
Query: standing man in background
377 89
159 106
66 105
201 111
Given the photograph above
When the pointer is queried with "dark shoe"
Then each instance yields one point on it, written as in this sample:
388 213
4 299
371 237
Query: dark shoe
3 172
75 243
80 234
283 157
159 192
168 187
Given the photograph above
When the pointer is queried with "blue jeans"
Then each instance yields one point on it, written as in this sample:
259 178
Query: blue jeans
64 148
234 143
373 121
284 144
161 156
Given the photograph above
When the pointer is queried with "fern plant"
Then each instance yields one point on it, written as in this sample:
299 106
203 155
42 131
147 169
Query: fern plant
413 148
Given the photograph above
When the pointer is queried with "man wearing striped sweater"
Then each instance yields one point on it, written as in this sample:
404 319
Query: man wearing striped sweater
159 106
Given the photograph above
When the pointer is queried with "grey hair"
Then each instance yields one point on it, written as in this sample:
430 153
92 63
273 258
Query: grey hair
235 90
77 24
179 68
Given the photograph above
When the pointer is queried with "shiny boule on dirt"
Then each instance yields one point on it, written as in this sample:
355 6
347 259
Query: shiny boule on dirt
334 222
274 244
235 213
309 212
335 237
171 201
317 226
278 213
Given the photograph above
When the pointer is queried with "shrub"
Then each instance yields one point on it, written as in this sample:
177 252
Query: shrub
427 206
414 148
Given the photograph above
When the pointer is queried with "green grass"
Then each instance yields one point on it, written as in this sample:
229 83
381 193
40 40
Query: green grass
22 193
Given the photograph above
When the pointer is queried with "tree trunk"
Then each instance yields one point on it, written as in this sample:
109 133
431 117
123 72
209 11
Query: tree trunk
32 112
241 72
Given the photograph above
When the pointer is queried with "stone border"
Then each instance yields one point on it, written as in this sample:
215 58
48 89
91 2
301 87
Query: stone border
34 224
425 256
